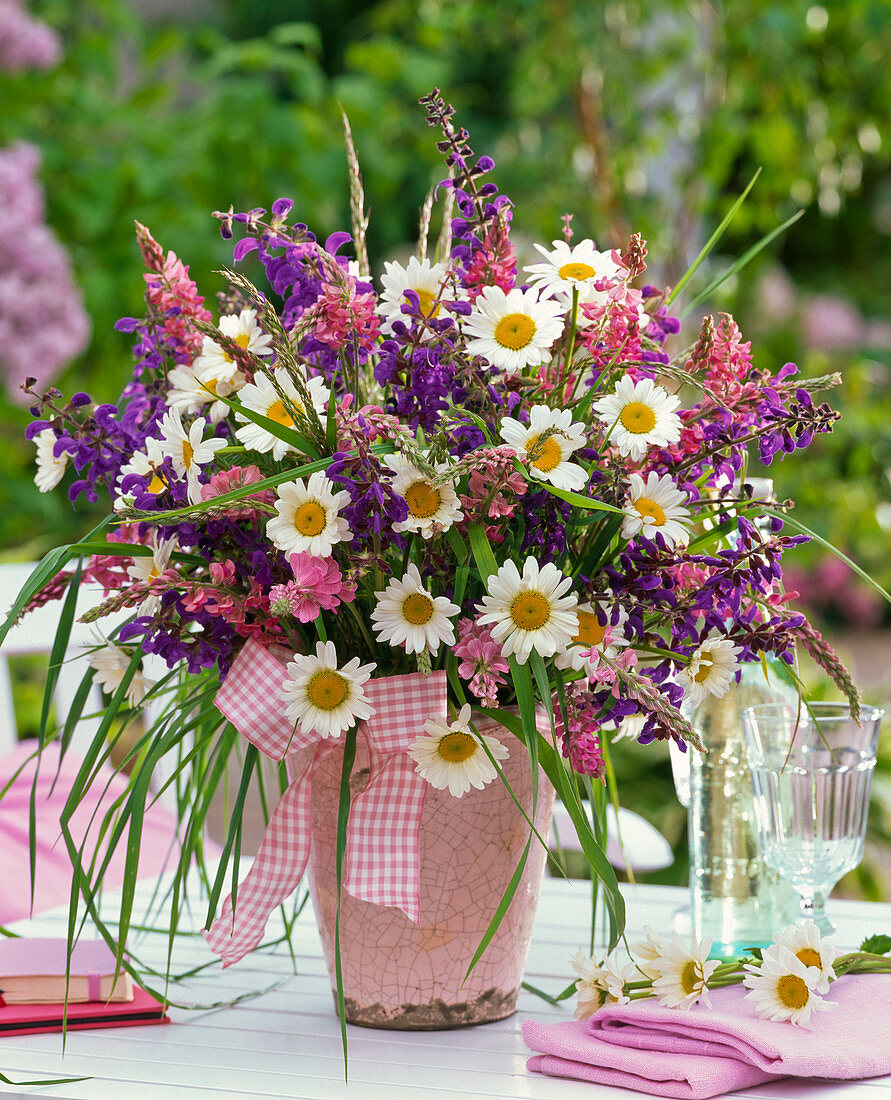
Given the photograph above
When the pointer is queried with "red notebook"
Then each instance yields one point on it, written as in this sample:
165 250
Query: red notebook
29 1019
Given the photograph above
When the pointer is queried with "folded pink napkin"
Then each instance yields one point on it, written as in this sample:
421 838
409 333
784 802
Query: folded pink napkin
706 1052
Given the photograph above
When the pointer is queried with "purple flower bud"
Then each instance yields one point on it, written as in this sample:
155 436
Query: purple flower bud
281 207
485 164
35 428
127 324
80 399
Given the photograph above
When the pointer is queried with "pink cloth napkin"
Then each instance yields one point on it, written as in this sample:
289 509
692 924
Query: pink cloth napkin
706 1052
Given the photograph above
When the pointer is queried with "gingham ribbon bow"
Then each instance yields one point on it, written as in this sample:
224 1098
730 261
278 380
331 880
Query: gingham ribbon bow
382 863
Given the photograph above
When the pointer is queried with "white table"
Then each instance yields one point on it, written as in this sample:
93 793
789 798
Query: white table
286 1043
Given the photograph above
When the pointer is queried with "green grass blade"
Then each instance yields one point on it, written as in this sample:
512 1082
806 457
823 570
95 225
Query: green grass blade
739 264
712 241
58 651
577 499
343 816
502 907
287 435
786 518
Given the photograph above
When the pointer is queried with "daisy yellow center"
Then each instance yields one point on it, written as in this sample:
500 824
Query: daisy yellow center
327 689
637 418
423 499
456 747
154 572
310 519
211 384
243 339
188 453
590 631
429 307
515 331
156 483
702 673
649 509
689 977
530 611
280 414
792 991
809 957
547 453
576 270
418 609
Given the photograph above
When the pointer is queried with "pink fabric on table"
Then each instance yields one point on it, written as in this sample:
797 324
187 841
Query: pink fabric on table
53 875
706 1052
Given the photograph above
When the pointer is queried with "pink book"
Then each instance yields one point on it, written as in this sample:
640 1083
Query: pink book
32 971
29 1019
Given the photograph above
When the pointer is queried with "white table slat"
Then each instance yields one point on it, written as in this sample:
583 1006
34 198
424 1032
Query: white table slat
285 1042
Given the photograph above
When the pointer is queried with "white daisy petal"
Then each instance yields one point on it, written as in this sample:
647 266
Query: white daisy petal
568 267
320 696
407 615
711 669
781 987
514 329
430 506
428 280
639 415
453 757
548 457
530 611
261 396
804 940
683 970
244 330
596 634
111 663
308 519
655 506
50 467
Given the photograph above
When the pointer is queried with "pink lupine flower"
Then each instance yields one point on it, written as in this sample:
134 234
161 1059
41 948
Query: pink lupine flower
495 264
318 585
482 660
729 362
491 475
172 291
342 316
580 738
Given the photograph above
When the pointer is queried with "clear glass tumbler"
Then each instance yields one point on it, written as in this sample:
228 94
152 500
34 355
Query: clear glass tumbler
811 773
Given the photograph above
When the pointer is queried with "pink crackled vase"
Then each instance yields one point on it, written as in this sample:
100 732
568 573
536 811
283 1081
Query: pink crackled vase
397 974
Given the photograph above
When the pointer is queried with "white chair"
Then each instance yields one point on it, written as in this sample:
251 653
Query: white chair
34 634
631 841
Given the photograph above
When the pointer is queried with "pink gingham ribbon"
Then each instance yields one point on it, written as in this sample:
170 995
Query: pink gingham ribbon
382 863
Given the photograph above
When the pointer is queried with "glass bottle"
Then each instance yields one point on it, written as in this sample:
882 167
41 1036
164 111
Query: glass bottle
735 899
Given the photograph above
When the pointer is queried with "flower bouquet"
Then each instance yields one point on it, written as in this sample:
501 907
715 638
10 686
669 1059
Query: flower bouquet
430 539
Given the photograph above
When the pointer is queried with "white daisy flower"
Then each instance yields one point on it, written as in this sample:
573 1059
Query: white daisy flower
711 669
513 330
683 969
655 506
187 450
639 415
804 940
600 983
426 279
531 611
261 396
407 615
50 468
111 663
453 755
783 988
646 951
145 463
593 638
570 267
308 519
630 728
191 388
244 330
145 568
322 697
429 505
548 458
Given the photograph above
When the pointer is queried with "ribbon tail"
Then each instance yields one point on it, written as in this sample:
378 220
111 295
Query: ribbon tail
276 871
382 865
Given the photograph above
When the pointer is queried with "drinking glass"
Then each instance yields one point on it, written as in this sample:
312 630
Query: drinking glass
811 772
